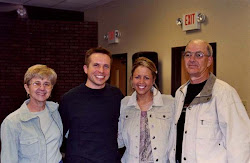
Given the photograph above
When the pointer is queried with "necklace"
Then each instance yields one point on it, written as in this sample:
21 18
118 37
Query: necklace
144 106
145 101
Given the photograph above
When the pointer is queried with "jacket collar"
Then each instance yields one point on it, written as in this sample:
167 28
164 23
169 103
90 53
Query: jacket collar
26 115
157 99
205 94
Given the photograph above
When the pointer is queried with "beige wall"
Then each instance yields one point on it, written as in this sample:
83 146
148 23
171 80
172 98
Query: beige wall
149 25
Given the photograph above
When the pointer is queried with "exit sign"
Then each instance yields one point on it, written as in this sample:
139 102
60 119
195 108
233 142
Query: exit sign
113 37
190 21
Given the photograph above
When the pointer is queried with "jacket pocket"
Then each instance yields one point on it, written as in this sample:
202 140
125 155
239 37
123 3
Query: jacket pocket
163 115
164 119
29 146
128 119
208 130
210 145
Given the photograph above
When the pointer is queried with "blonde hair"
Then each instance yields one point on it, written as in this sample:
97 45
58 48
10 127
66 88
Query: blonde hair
145 62
40 71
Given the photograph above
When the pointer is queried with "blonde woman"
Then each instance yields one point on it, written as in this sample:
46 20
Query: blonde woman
146 117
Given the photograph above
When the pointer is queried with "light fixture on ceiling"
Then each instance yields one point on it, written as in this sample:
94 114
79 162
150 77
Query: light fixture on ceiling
22 12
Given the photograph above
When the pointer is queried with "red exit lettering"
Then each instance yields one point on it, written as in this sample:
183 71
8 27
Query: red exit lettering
189 19
111 35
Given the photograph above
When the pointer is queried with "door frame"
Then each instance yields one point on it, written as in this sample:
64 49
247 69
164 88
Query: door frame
119 56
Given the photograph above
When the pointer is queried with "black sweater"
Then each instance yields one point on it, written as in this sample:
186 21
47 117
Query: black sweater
91 116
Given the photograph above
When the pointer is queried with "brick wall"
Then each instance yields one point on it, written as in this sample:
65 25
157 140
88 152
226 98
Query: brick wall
59 44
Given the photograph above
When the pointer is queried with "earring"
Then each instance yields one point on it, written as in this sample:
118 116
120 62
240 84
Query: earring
28 95
132 86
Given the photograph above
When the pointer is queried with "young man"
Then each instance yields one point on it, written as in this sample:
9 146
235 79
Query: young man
90 113
211 121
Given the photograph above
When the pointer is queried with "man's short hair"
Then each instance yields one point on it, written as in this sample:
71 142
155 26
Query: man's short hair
209 47
96 50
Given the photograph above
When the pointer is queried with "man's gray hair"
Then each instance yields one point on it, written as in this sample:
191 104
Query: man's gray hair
209 47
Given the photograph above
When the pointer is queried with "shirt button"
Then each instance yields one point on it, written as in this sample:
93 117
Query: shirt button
155 148
164 116
157 160
153 137
126 116
184 158
185 132
150 115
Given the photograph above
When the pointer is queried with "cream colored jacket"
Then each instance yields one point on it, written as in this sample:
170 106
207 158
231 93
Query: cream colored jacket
217 127
160 117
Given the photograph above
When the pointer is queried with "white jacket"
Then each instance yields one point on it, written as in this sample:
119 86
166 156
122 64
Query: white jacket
160 117
217 127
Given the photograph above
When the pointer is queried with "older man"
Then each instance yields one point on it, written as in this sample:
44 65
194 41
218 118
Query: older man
211 121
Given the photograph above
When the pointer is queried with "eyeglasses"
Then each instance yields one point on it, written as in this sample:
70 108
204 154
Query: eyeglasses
197 55
38 84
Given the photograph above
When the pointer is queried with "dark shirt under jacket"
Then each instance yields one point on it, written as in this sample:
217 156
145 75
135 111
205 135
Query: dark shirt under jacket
192 91
91 116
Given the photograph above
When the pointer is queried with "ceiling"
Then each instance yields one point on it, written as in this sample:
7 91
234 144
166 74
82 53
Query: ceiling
74 5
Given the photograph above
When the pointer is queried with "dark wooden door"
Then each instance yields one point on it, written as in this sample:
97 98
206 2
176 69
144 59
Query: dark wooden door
118 74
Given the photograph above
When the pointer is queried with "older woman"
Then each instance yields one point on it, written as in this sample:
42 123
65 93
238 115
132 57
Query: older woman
146 117
33 133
